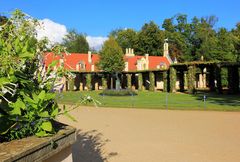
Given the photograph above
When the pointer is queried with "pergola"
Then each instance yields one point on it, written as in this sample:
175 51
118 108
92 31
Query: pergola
213 69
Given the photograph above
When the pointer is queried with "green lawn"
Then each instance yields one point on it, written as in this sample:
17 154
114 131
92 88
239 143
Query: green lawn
159 100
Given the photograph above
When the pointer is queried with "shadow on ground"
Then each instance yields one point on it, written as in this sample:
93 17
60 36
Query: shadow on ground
220 99
89 147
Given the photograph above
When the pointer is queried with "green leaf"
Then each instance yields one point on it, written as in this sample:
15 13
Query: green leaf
50 96
26 55
55 112
54 63
47 126
41 134
44 114
17 106
41 96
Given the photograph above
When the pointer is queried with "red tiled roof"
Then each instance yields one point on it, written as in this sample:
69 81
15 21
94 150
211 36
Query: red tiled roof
70 61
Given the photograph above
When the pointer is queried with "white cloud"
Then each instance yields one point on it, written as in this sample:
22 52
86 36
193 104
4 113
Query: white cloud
52 30
96 42
55 32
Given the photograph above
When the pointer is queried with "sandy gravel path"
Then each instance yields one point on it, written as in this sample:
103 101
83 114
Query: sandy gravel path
140 135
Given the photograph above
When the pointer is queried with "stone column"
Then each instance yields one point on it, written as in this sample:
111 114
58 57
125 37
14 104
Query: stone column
81 82
200 84
204 78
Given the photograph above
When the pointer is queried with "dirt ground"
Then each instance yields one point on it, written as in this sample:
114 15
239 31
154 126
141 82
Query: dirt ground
141 135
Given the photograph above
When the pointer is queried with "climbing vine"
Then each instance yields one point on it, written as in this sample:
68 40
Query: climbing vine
104 82
71 84
152 81
88 81
140 82
191 79
173 78
129 81
165 81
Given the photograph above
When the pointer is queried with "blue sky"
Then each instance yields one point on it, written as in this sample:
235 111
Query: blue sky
98 17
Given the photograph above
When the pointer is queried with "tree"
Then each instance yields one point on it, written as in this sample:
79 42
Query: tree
236 37
111 57
178 36
127 38
150 40
225 45
76 42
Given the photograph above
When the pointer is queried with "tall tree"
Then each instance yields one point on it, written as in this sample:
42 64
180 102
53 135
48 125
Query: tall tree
150 40
236 37
178 35
76 42
111 57
127 38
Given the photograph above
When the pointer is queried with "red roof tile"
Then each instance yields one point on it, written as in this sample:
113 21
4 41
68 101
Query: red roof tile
71 60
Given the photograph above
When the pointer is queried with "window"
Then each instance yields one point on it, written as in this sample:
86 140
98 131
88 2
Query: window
82 65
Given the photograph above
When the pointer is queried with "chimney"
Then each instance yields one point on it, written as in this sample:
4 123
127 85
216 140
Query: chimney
147 61
129 52
89 57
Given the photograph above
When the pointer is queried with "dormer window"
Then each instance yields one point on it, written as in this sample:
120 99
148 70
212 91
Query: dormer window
162 65
82 65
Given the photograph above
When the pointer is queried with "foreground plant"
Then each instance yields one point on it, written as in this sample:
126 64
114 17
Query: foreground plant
27 98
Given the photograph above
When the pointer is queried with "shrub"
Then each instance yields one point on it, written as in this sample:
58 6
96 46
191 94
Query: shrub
122 92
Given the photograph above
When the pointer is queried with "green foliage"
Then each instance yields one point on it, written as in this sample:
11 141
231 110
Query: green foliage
236 37
27 101
152 81
165 81
71 83
104 82
111 57
140 82
173 78
188 41
224 74
127 38
75 42
150 40
88 81
191 75
122 92
129 81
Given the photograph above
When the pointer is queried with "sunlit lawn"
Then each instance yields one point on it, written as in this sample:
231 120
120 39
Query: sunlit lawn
159 100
